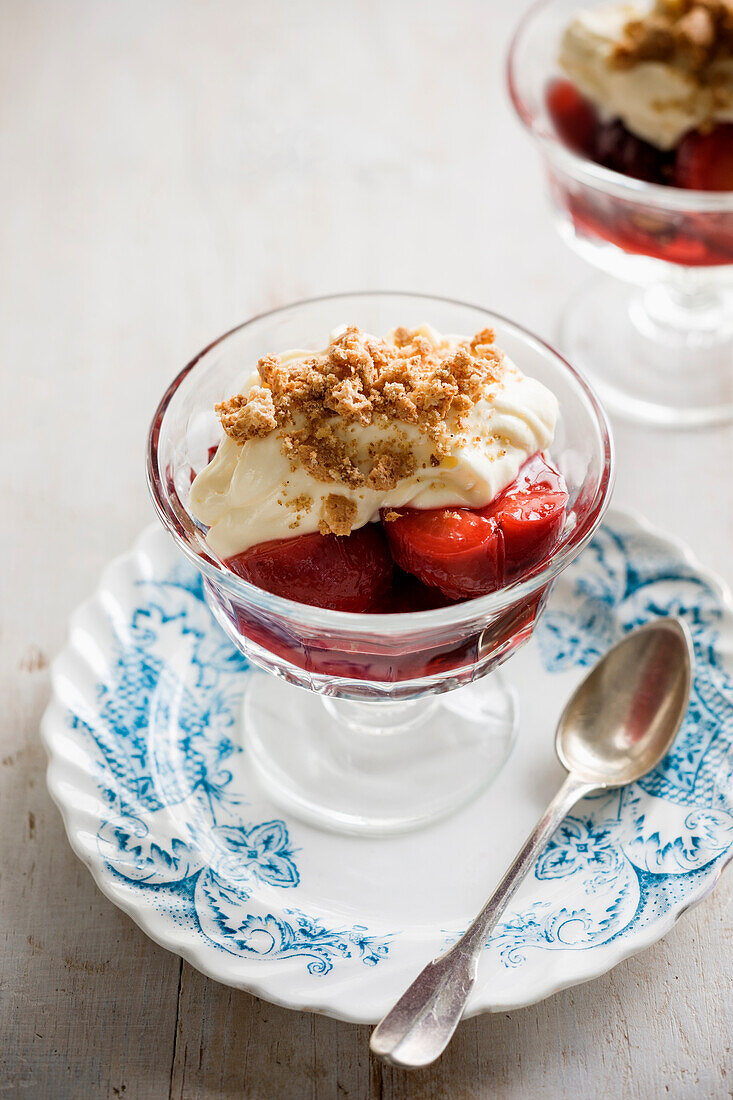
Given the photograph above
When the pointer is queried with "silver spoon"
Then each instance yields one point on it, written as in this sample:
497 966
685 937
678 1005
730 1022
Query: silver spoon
616 727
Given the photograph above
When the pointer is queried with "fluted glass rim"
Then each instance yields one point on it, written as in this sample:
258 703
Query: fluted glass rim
189 540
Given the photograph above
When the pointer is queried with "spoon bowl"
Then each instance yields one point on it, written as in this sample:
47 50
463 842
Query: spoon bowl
624 716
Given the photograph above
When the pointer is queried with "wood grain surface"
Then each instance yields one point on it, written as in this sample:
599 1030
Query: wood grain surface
167 168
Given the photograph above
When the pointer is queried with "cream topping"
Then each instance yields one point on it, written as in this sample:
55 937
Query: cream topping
255 491
658 100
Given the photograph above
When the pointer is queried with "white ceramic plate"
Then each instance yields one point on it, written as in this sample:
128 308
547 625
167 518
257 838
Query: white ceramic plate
143 735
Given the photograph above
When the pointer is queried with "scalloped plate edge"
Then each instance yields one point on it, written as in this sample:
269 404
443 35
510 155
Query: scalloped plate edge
160 931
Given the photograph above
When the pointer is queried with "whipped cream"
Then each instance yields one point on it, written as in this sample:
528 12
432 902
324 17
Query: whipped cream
656 100
251 493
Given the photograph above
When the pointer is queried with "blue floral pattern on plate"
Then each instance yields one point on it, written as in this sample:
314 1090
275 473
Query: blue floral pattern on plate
147 768
208 854
635 853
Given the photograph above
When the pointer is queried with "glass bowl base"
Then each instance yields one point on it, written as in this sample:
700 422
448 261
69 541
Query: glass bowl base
653 357
377 767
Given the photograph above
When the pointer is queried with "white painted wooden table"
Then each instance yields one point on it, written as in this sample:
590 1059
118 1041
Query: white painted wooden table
168 167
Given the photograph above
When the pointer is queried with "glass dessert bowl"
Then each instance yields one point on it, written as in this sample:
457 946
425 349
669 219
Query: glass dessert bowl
400 722
657 338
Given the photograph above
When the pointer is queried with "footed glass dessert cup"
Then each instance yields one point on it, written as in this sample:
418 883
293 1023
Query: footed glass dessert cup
374 723
656 339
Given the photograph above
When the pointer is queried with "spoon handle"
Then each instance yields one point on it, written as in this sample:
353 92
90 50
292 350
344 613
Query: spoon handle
420 1026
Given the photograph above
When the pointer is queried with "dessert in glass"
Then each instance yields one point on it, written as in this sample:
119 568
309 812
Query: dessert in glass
379 490
631 105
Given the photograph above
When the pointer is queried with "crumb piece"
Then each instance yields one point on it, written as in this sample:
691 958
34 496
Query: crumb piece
249 417
391 516
689 34
697 28
359 379
349 401
337 515
483 339
389 468
401 336
324 457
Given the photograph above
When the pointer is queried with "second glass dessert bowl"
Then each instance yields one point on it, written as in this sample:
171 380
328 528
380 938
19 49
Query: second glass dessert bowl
657 338
400 723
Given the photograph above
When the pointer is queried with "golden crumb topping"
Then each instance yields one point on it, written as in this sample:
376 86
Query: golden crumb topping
248 417
337 515
388 468
689 34
361 380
